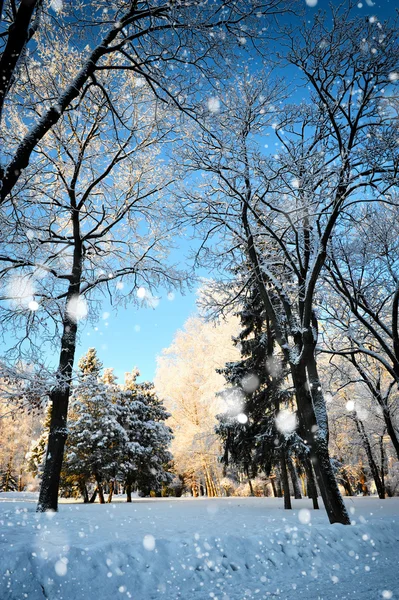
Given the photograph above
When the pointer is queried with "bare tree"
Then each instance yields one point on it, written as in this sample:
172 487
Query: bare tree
92 216
171 45
360 303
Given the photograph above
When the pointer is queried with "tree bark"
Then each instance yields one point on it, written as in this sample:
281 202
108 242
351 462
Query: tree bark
373 466
311 483
100 490
316 436
111 491
94 496
284 477
128 492
251 489
294 479
391 430
18 35
48 497
84 493
273 482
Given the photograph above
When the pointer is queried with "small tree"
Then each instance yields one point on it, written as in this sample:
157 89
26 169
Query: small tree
146 455
96 438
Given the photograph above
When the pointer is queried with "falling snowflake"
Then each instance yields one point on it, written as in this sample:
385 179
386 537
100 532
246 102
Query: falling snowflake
33 305
304 516
57 5
20 291
250 383
149 542
77 308
213 105
231 401
242 418
141 293
61 567
286 421
274 366
311 3
350 405
295 183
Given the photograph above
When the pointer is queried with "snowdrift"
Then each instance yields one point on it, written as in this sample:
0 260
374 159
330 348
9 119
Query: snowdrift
229 548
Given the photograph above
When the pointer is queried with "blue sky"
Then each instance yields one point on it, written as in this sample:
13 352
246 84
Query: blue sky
135 336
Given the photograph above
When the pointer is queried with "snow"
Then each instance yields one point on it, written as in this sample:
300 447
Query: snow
225 548
77 308
286 421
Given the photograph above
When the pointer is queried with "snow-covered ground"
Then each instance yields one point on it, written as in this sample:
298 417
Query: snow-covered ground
226 548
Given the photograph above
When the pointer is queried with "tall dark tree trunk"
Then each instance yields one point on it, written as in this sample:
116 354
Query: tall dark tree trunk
111 491
19 34
391 430
315 433
100 490
84 492
373 466
311 483
48 497
294 479
284 478
279 482
128 492
59 396
383 463
93 496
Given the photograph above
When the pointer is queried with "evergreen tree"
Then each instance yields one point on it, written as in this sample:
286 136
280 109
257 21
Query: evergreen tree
250 437
96 437
146 455
8 480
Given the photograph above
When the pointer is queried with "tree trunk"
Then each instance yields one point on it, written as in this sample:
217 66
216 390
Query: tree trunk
311 483
391 430
128 492
48 497
278 484
346 483
294 479
373 466
273 482
94 496
383 463
100 491
251 489
315 433
111 491
284 477
84 493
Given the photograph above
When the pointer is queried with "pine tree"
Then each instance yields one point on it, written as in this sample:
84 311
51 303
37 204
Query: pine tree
8 480
146 456
96 438
250 438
